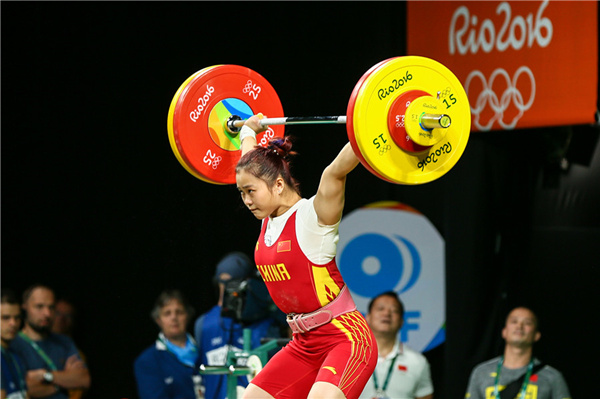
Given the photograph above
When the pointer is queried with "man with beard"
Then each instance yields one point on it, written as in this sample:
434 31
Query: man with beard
52 360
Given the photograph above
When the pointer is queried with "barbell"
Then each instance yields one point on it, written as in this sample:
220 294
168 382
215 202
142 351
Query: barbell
408 119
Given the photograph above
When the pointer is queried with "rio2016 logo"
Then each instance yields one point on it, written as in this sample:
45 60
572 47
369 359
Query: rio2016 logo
389 246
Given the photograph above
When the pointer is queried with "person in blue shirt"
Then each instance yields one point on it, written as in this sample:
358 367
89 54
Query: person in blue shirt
13 370
52 362
167 369
220 330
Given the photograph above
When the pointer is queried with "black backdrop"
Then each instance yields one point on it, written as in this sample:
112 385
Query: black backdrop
95 204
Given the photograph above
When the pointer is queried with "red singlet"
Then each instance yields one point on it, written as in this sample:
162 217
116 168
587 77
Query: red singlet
342 352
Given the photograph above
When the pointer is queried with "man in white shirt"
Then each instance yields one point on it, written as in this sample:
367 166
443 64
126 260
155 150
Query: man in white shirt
401 372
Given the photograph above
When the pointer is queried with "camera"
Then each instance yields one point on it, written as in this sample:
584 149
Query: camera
234 299
247 301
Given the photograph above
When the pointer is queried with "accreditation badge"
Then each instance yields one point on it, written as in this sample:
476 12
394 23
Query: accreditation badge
199 389
380 394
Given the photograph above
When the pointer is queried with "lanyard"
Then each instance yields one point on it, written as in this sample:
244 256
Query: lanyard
525 381
39 351
181 357
381 390
15 363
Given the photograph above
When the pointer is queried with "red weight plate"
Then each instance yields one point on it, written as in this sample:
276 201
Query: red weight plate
170 126
350 117
201 113
396 122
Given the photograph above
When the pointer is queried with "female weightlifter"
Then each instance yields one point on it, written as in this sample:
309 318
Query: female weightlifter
333 352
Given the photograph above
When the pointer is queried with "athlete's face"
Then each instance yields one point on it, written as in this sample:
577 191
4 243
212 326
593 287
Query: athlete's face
172 319
385 317
40 310
257 196
521 328
10 321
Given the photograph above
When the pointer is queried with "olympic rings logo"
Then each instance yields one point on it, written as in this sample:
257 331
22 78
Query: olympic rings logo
216 162
499 105
384 149
248 86
252 89
212 160
445 92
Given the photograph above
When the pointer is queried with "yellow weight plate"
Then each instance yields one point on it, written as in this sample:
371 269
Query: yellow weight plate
370 120
172 139
350 114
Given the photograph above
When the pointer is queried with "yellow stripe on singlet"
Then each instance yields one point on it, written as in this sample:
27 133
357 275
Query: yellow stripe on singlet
325 287
356 329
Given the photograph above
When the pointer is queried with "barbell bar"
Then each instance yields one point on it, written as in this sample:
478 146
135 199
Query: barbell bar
408 119
427 121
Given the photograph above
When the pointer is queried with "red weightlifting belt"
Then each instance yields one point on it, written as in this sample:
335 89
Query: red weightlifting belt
303 322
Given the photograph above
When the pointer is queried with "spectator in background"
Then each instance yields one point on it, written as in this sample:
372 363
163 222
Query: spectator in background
52 360
13 370
517 373
64 317
401 373
64 323
217 334
167 369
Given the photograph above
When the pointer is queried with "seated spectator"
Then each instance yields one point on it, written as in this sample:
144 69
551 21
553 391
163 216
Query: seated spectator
401 373
517 373
12 371
167 369
52 360
64 323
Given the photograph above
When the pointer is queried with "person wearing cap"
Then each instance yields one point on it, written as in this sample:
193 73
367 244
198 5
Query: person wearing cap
216 334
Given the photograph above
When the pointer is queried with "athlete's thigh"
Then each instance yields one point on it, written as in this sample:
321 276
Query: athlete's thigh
254 392
348 366
325 390
289 374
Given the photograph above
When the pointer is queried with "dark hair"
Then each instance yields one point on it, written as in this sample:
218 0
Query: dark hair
169 295
9 297
536 321
270 162
29 290
391 294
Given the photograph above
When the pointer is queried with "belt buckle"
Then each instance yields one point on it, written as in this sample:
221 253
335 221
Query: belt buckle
292 320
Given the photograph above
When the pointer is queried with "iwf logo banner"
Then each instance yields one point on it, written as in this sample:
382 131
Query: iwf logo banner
388 246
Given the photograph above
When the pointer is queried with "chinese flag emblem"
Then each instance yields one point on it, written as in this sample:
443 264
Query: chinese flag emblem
284 246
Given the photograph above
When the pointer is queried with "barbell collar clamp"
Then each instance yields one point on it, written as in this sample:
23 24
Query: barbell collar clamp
435 121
